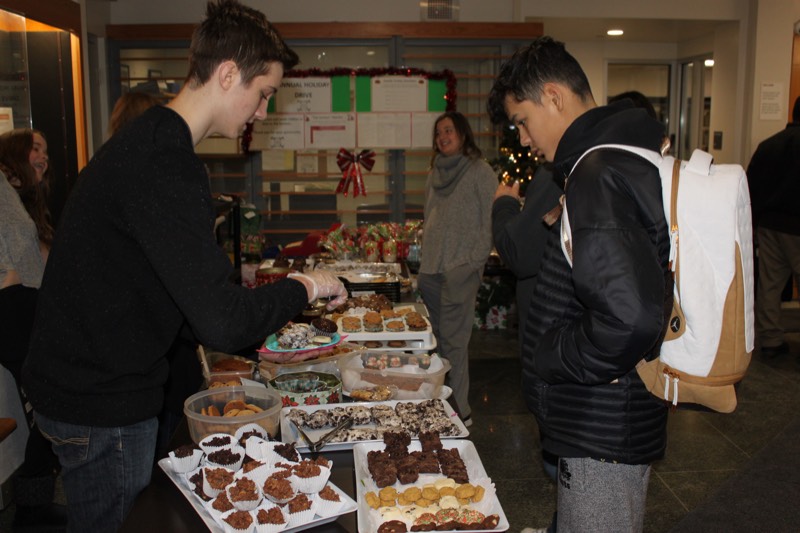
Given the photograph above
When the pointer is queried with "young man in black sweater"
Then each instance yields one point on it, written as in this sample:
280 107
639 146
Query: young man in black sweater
136 261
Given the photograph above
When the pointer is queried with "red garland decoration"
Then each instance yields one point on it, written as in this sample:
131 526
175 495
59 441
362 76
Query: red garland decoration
447 75
350 164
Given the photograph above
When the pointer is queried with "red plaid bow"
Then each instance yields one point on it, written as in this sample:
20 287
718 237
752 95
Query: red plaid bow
350 164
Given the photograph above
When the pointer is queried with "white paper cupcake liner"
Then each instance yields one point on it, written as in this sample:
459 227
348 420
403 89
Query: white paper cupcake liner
245 505
270 528
208 490
259 475
233 466
273 499
247 428
326 508
229 529
213 512
311 485
254 448
303 517
181 465
207 448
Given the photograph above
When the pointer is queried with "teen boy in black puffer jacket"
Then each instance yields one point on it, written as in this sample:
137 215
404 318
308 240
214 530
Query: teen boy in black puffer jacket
589 324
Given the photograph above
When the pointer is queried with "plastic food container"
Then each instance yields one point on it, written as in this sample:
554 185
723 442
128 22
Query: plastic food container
201 425
416 377
308 388
222 367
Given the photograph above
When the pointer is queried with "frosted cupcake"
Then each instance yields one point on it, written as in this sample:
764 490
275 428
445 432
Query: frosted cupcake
270 519
185 459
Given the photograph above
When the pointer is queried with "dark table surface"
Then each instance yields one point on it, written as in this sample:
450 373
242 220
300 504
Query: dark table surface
163 507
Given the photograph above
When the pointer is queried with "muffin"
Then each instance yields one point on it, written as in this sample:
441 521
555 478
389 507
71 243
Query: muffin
324 327
351 324
373 322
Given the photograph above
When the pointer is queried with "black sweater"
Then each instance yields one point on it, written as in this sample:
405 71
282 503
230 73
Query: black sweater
589 325
135 259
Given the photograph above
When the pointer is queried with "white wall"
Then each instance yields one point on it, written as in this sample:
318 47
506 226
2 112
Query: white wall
773 62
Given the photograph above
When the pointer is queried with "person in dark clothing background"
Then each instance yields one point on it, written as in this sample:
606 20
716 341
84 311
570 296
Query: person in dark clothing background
135 261
594 316
773 177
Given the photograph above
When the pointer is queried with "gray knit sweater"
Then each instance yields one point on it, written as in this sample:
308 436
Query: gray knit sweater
19 242
458 213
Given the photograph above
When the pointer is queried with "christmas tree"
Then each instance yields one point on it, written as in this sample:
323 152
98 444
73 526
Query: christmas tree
515 162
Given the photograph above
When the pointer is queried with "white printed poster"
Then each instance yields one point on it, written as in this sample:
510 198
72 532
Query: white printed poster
399 93
422 129
384 130
278 132
6 119
771 102
304 95
330 131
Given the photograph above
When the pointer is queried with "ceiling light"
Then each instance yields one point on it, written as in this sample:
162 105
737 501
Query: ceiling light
614 33
371 52
709 62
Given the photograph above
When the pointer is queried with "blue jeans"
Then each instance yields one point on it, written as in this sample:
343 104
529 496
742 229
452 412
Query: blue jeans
103 468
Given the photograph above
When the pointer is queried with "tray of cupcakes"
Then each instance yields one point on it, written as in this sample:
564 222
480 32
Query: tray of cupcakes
424 485
245 482
399 328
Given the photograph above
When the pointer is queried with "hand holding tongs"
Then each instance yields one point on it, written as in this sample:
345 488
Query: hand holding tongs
314 447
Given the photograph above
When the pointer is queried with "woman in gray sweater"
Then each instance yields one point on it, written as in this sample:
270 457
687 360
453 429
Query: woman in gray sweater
456 244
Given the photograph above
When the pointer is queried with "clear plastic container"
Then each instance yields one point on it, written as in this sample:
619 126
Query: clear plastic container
414 377
202 425
214 369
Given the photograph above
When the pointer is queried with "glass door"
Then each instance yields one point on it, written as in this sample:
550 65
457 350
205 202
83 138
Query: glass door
695 106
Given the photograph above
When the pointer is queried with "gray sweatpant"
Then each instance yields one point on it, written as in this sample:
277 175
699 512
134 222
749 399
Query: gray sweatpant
601 496
450 299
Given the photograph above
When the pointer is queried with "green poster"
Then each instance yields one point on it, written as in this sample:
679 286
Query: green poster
363 94
271 106
340 94
437 89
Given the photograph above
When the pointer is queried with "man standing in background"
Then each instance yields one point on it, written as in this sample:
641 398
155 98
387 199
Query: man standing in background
774 180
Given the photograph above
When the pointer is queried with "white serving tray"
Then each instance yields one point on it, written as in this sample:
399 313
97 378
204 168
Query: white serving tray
217 527
446 393
425 336
289 432
412 345
369 520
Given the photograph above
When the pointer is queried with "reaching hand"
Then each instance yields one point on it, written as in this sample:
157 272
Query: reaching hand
506 190
322 284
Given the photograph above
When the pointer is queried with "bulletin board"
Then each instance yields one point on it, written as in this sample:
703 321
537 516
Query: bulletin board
390 108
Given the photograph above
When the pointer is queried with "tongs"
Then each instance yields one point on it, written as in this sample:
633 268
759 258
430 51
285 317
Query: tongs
314 447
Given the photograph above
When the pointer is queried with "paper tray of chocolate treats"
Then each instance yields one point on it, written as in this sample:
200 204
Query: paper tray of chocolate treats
424 485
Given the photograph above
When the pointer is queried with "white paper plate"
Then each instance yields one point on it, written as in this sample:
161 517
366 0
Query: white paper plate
289 432
365 484
216 527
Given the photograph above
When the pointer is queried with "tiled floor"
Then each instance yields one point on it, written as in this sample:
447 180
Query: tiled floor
704 449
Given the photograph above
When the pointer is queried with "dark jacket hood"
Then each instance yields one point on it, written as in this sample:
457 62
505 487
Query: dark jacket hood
617 123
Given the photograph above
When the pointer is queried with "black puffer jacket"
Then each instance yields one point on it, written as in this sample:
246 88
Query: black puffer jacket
589 325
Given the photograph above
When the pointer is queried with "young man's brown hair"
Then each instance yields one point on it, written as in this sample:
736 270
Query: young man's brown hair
232 31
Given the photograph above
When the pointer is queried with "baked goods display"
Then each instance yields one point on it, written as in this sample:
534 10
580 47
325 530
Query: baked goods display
273 485
393 328
371 421
416 376
426 485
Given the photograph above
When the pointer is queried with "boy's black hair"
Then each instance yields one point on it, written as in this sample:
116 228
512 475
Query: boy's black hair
523 76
